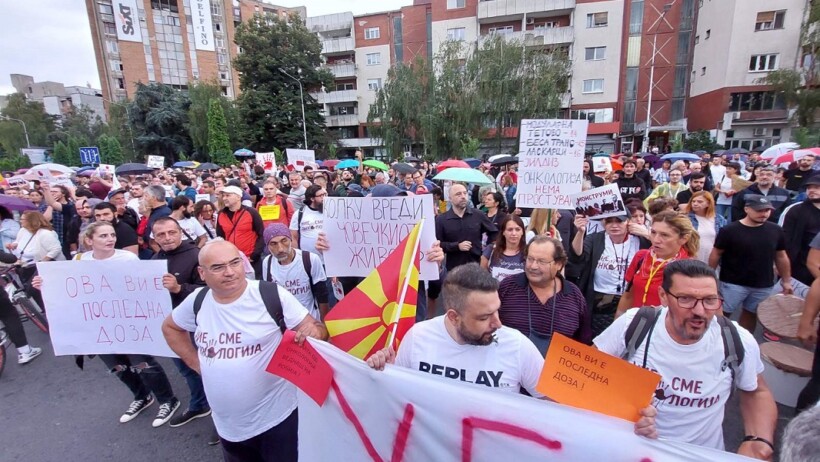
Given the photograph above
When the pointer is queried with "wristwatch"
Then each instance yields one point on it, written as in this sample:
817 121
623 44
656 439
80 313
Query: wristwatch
757 438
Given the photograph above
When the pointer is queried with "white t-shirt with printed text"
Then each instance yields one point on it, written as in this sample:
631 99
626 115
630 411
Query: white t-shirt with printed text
511 362
693 391
610 269
235 343
294 278
310 227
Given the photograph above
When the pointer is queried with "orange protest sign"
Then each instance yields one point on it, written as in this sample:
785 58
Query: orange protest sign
581 376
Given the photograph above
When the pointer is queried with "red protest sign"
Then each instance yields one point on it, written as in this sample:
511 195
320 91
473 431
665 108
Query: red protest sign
302 366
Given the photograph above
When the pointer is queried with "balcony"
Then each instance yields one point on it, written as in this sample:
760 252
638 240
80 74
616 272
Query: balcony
342 120
539 37
343 96
342 70
360 142
338 45
330 23
494 10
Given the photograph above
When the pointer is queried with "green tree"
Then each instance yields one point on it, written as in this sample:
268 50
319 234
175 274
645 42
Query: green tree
201 94
159 117
38 124
700 140
119 127
218 144
61 154
270 104
14 162
82 124
462 95
110 150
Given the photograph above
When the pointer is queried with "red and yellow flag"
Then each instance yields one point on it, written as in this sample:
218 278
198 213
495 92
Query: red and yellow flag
362 322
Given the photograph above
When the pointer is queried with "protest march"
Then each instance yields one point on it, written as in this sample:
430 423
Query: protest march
550 304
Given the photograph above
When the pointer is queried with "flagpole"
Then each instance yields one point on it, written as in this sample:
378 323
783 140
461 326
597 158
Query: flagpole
400 305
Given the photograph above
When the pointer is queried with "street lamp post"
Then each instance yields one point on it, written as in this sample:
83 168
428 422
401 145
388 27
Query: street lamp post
25 130
645 148
302 100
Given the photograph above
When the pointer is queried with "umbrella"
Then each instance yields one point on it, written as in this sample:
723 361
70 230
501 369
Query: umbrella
21 171
87 172
734 151
797 154
401 167
207 166
85 169
778 150
55 169
600 154
411 159
504 160
452 163
244 153
497 156
673 156
377 164
133 169
472 162
467 175
347 163
330 163
16 203
185 164
700 153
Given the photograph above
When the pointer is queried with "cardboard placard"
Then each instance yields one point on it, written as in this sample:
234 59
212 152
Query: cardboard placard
600 202
269 212
302 366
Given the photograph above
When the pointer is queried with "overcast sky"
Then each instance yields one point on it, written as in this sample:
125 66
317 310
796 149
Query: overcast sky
51 39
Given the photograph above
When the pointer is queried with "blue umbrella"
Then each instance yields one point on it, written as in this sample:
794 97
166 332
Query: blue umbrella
244 153
680 156
185 164
472 162
347 163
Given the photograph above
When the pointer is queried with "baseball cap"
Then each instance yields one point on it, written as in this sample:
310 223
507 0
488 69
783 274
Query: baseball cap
232 190
622 217
758 202
814 180
114 192
386 190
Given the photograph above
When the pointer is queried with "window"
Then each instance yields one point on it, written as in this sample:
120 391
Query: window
110 28
756 101
593 115
220 43
218 27
763 63
458 33
172 20
116 65
697 39
373 59
372 33
121 84
703 70
223 75
503 30
345 86
374 84
597 19
167 5
708 33
106 8
594 53
113 47
453 4
594 86
768 20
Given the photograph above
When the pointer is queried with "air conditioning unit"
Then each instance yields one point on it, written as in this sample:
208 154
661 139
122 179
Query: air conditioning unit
530 20
735 115
759 132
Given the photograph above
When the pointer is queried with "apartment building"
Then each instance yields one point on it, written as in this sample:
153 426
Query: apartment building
59 100
737 44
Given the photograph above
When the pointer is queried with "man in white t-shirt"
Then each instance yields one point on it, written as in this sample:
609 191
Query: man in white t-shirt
308 222
687 351
286 266
235 338
182 209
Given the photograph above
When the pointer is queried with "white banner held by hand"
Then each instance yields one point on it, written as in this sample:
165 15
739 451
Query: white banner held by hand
267 160
600 202
99 307
300 158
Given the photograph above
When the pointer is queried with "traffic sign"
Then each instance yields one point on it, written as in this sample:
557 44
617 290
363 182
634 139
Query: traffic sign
90 155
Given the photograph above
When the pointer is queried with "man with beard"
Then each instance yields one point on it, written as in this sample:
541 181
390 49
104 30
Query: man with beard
697 181
801 223
460 229
687 350
124 213
126 236
796 179
341 188
242 226
779 198
308 222
182 209
668 190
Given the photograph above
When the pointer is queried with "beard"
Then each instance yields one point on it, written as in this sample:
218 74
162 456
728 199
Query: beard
478 340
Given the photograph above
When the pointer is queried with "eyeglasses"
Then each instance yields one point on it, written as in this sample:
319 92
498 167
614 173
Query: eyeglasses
688 302
537 262
220 268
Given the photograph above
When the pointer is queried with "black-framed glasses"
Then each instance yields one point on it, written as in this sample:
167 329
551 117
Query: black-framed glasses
688 302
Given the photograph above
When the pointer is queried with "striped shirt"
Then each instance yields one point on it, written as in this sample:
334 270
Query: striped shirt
570 309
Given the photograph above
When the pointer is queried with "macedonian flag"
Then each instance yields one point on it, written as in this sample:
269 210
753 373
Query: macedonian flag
362 322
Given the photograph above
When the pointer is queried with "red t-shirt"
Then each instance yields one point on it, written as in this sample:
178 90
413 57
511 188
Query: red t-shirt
647 279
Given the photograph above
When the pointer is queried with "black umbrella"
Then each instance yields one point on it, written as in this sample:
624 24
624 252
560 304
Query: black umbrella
412 159
401 167
133 169
719 152
699 153
506 160
737 151
207 166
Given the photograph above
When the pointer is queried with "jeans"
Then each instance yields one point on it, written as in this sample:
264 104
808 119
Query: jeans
151 379
808 397
279 444
11 319
199 402
724 210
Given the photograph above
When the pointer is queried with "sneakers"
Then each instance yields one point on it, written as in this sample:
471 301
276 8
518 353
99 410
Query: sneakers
25 358
166 411
188 416
137 406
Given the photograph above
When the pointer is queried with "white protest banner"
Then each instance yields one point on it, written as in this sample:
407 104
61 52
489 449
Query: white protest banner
267 160
551 155
404 415
202 197
299 158
362 231
601 164
156 161
99 307
600 202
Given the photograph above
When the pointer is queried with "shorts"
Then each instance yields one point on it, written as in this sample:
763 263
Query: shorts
747 298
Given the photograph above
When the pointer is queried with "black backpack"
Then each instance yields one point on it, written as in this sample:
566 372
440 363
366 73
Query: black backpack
305 262
644 323
270 295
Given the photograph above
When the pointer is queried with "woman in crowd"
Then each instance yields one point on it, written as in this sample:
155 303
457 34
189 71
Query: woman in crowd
543 221
505 257
8 227
36 197
36 242
673 238
589 175
367 184
603 258
204 212
100 237
496 208
705 221
661 204
509 189
79 222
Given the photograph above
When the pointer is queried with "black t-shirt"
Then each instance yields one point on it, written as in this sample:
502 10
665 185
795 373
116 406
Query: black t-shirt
631 187
748 253
684 196
126 236
795 178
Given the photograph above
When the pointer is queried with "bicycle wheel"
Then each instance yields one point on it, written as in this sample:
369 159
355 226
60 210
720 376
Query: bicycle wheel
33 312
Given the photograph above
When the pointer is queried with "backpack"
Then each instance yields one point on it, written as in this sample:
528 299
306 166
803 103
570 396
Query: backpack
305 262
270 295
644 323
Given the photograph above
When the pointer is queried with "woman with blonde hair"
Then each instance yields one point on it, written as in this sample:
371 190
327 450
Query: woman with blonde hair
673 238
705 221
543 221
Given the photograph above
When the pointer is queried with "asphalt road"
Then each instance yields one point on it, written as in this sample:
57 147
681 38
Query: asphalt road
51 410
